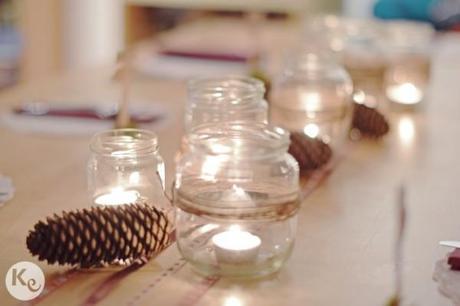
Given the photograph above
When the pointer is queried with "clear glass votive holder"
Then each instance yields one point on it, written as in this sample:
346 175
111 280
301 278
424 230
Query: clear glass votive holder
312 95
407 48
237 197
125 167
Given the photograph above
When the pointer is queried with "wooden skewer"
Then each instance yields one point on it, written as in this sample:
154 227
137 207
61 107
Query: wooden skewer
123 118
401 227
400 240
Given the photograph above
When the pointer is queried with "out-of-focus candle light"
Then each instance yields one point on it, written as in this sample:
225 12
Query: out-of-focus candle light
311 100
232 301
405 93
311 130
406 130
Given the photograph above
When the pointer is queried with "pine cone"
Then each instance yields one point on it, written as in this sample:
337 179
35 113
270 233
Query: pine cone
310 153
101 235
369 122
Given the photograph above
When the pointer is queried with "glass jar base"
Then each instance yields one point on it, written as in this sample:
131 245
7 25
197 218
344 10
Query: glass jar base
253 271
249 270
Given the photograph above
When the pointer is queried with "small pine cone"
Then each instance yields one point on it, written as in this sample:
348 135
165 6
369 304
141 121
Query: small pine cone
101 235
369 122
310 153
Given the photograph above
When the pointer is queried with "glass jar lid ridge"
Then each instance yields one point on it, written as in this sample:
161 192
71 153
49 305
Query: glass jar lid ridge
124 143
232 91
241 140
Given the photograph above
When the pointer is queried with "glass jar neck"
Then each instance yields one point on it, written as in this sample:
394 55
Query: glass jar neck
125 144
226 93
239 141
311 62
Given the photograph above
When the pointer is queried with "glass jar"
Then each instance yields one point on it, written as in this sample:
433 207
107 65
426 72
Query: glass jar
125 167
355 43
237 197
313 95
229 98
406 46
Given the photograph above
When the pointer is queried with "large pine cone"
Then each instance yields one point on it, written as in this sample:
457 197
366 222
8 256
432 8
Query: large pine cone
101 235
310 153
369 122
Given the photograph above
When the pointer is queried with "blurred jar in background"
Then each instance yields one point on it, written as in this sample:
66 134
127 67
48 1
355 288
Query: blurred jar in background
312 94
355 43
224 99
406 46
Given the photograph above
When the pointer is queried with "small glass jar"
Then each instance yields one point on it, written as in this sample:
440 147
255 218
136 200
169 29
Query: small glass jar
237 197
355 43
125 167
313 95
228 98
406 46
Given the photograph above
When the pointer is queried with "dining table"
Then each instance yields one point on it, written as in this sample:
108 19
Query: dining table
347 225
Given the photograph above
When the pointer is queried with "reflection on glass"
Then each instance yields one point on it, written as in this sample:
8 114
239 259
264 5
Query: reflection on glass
232 301
311 100
134 178
210 168
406 130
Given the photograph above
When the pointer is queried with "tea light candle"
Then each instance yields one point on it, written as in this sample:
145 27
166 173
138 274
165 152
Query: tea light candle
117 196
406 93
235 246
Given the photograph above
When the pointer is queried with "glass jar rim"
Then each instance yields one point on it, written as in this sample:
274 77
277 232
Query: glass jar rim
124 143
243 137
407 36
212 92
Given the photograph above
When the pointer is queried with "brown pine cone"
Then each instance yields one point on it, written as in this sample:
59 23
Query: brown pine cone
310 153
101 235
369 121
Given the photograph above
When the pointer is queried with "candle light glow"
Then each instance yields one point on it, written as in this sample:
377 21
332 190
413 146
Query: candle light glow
406 93
117 196
311 130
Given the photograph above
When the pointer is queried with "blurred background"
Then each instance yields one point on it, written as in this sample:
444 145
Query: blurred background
51 36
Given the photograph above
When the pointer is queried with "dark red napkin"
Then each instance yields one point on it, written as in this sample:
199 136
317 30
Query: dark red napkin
454 260
226 57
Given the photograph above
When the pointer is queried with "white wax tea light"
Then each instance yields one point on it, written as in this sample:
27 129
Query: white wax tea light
117 196
236 246
406 93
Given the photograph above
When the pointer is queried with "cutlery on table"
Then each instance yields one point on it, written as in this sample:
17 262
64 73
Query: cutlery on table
450 243
87 112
